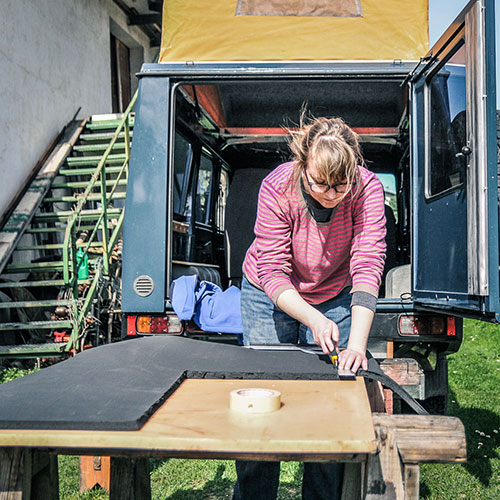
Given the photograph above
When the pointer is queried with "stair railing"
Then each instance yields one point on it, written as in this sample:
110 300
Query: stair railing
74 260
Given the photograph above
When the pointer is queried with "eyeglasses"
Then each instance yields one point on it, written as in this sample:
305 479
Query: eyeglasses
323 187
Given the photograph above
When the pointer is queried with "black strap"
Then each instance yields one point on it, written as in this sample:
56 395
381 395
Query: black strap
374 372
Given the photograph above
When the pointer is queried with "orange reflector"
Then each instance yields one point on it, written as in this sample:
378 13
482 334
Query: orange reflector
159 324
143 324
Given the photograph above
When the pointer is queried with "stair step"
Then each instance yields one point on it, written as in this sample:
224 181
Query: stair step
36 325
106 124
87 171
105 136
92 197
35 267
53 246
34 303
61 229
90 148
28 350
36 284
84 215
83 184
90 160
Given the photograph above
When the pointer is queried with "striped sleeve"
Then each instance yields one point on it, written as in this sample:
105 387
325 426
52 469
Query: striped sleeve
272 242
368 243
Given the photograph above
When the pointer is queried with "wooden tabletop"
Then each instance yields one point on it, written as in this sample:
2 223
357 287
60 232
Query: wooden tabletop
320 420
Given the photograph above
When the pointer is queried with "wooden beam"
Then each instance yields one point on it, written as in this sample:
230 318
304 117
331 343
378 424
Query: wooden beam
138 19
130 479
426 438
412 481
404 371
43 479
94 471
384 475
11 473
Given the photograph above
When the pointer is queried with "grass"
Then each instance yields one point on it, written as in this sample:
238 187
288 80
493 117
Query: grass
474 397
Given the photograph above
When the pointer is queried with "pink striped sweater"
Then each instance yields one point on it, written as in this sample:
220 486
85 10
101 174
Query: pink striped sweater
292 250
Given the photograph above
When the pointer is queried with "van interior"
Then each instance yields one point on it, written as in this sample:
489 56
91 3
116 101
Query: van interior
229 135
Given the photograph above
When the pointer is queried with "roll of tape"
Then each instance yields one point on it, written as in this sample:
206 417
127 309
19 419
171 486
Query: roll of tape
255 400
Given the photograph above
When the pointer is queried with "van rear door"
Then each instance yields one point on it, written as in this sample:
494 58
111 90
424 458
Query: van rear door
454 170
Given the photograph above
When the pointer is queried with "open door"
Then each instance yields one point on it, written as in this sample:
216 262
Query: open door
454 165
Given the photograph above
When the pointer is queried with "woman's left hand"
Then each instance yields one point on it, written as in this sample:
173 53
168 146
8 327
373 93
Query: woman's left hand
349 359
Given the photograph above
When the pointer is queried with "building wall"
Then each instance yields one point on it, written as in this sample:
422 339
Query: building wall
54 58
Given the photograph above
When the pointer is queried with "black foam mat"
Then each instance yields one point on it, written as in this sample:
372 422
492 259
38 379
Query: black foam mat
119 386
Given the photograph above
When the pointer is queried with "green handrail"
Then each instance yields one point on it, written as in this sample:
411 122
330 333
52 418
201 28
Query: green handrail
72 263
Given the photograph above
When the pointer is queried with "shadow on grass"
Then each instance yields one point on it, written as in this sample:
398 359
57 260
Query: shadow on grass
216 488
482 440
222 487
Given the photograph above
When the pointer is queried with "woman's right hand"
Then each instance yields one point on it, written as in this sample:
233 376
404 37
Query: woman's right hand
325 333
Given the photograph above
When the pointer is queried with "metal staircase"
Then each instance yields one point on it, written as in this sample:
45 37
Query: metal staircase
60 249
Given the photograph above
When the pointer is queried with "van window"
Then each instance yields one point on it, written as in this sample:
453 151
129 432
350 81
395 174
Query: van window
447 126
202 212
389 182
221 201
182 159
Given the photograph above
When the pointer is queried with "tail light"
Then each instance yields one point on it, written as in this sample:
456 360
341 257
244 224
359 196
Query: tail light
168 323
451 331
410 324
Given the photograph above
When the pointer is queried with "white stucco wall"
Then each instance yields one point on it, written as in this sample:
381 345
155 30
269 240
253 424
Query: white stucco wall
54 58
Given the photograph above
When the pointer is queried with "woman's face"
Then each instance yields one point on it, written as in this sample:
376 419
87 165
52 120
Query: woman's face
315 182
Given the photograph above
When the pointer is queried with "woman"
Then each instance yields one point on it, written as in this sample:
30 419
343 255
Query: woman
313 272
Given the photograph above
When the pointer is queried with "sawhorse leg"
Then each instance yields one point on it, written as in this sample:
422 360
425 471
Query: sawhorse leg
129 479
27 474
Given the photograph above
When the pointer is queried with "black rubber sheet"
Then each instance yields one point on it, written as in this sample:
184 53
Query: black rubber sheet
119 386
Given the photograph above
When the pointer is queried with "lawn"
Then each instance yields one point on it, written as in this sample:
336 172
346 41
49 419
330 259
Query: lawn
474 397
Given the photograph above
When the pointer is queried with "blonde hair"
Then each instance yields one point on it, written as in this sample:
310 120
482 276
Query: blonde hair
331 144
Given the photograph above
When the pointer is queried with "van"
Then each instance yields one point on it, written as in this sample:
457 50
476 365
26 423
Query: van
207 133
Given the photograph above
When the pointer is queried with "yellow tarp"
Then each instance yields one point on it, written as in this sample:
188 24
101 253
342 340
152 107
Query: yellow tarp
215 30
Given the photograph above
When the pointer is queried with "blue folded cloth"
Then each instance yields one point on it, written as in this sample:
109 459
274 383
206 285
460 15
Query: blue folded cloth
212 309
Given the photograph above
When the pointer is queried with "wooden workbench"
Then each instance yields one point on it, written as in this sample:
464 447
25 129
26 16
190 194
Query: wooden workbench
196 422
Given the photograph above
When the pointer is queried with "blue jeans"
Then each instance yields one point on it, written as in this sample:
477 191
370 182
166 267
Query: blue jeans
265 323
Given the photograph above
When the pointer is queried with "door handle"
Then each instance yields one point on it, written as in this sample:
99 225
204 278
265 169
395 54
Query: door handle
466 151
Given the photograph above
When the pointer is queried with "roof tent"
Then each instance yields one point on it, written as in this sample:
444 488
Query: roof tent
287 30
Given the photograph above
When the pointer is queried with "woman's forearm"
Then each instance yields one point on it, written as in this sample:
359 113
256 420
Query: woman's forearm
361 322
290 302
